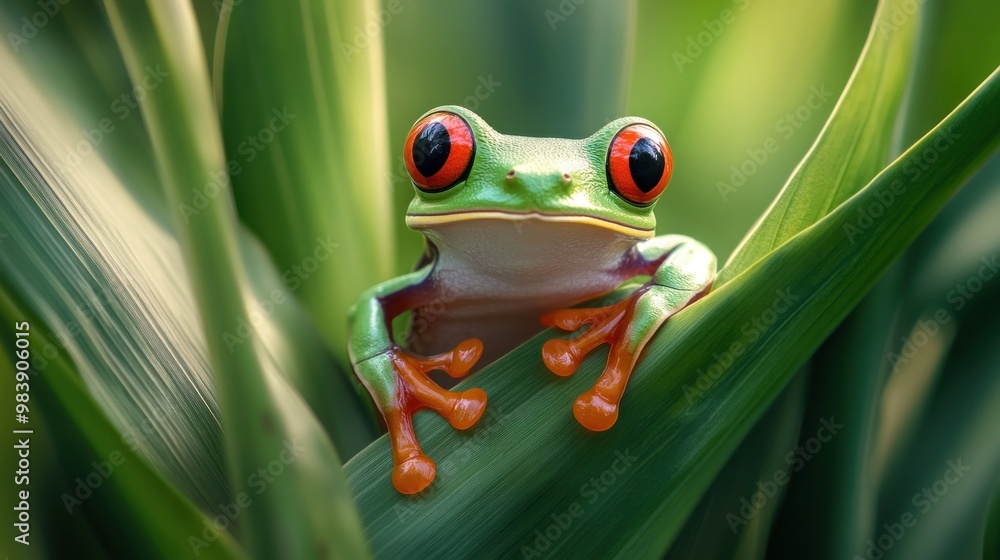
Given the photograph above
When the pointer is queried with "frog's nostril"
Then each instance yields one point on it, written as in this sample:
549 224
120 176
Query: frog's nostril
566 177
511 174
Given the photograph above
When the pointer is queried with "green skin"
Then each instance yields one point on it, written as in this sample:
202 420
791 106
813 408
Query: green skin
533 228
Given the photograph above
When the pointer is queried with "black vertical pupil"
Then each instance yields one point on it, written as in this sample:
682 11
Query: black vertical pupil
646 164
431 149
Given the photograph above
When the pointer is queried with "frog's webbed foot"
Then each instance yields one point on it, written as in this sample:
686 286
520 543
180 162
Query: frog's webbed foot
627 326
413 391
596 409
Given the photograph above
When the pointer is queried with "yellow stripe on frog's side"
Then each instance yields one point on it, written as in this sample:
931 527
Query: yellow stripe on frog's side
419 221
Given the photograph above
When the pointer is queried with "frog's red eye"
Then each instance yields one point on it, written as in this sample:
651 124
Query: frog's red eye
639 164
439 151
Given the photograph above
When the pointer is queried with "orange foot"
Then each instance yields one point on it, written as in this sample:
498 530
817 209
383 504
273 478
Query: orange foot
413 470
596 409
622 326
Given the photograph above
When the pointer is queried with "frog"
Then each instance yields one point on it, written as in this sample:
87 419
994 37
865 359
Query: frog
519 234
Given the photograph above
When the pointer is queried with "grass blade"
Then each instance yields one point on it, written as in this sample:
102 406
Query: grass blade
304 122
307 511
120 504
853 146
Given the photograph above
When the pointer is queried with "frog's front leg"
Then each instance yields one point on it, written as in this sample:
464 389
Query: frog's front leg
397 380
681 270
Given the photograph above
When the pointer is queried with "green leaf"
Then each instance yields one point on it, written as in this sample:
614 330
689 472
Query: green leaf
306 511
853 146
678 444
304 122
855 142
99 268
89 445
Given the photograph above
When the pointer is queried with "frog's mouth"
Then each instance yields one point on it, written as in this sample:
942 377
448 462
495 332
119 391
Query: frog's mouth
421 221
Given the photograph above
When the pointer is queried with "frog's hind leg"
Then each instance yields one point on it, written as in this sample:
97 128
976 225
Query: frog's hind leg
682 270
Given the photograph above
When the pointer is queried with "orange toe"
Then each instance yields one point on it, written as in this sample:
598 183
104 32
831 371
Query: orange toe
594 412
467 409
562 357
464 356
413 475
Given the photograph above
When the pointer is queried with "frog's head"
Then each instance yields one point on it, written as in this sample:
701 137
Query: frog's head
464 170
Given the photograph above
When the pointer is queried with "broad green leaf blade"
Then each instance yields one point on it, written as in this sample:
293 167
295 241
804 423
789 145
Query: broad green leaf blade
89 260
307 511
669 442
855 143
853 146
832 508
87 250
120 505
304 121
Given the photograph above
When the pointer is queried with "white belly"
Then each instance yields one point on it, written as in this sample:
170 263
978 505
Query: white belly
493 279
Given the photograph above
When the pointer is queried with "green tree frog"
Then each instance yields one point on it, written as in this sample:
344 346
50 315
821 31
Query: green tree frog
518 231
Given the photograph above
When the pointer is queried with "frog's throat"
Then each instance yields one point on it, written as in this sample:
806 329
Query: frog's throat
424 221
